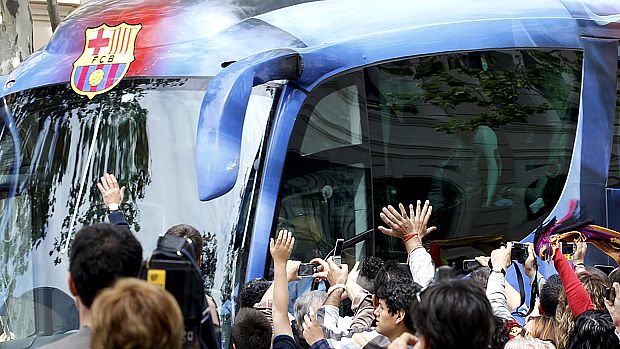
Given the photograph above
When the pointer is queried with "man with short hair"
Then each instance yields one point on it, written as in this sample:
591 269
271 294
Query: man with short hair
100 254
450 314
251 329
392 313
187 231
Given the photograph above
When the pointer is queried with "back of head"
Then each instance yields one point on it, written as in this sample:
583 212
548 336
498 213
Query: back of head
368 271
100 254
549 295
529 343
593 329
251 330
189 232
543 327
501 335
391 270
598 272
596 287
134 314
399 293
252 292
480 276
454 314
311 299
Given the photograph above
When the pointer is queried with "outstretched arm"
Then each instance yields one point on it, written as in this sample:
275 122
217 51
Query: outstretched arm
576 295
281 249
500 259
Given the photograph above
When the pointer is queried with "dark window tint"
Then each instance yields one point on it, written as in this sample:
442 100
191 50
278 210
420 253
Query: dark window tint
325 190
486 136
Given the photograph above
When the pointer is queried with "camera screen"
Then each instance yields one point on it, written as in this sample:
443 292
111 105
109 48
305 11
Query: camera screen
306 269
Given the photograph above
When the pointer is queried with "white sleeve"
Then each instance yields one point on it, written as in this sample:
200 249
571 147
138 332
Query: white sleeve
330 318
421 266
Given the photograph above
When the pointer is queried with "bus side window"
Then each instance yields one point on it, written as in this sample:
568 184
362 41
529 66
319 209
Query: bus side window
325 189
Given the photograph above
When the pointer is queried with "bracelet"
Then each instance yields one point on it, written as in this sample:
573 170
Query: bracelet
501 270
409 237
336 286
580 264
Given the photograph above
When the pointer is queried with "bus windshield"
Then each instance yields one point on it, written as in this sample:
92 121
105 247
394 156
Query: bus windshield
143 131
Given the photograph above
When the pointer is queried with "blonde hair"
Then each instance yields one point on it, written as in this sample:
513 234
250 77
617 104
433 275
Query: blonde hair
528 343
134 314
595 286
542 327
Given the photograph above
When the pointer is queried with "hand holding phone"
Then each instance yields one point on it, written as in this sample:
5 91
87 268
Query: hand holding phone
338 251
307 269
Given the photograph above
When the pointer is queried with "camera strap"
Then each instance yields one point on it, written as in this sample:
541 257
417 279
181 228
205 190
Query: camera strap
533 292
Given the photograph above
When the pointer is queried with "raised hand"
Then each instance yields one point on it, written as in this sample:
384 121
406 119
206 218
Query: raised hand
501 257
337 274
530 263
110 191
282 247
581 247
312 331
420 218
398 222
292 267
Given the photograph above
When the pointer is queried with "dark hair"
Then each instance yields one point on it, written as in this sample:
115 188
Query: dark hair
189 232
252 292
251 330
399 293
391 270
593 329
100 254
550 294
370 267
614 276
500 335
480 276
454 314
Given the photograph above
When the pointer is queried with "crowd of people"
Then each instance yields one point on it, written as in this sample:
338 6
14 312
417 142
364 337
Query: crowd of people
374 304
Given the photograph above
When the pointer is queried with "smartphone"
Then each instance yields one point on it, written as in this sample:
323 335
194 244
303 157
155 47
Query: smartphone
610 294
470 265
338 251
568 248
307 269
607 269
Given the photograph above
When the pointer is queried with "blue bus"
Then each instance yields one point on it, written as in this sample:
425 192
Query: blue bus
244 118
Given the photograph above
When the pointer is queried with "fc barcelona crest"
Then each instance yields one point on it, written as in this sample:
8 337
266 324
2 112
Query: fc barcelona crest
108 52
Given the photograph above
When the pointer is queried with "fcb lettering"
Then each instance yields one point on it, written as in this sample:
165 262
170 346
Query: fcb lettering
108 53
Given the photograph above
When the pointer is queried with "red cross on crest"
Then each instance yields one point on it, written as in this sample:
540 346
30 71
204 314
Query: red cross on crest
99 42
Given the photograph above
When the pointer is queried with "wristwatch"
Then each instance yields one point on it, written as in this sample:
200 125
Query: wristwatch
113 207
499 270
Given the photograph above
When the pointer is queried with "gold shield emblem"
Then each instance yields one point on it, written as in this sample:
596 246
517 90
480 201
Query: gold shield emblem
108 53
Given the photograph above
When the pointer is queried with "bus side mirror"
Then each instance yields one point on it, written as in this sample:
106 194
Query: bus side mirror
220 124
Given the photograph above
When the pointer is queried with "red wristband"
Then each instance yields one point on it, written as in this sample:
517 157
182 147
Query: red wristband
409 237
616 323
